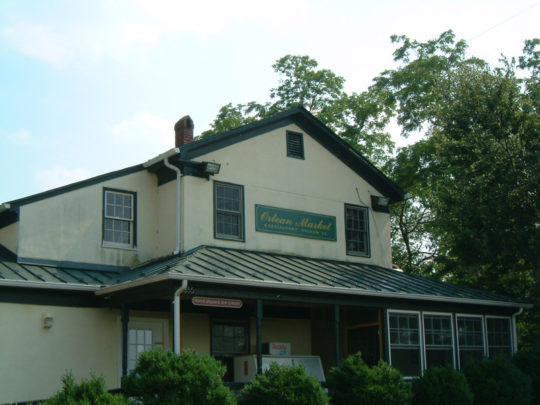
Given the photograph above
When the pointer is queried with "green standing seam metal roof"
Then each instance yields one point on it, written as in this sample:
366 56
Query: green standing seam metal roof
237 267
13 273
272 270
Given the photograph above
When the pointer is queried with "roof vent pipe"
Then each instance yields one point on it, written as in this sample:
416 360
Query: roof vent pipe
178 179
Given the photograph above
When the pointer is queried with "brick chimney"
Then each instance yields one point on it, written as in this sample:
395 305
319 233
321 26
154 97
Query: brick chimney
183 130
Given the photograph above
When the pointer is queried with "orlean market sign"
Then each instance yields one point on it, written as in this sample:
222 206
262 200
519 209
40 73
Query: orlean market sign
295 223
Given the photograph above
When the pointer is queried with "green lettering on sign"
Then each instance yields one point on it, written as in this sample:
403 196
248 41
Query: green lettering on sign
295 223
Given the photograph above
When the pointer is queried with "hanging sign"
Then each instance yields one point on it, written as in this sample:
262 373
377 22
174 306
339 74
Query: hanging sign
295 223
216 302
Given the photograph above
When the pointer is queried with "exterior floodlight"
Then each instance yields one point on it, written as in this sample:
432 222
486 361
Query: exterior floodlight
380 204
383 201
211 168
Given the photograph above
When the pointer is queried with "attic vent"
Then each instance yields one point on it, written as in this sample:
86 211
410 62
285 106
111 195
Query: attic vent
295 145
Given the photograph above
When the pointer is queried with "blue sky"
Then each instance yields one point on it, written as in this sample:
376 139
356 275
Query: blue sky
91 87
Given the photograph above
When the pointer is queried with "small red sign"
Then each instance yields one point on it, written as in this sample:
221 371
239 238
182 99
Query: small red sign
216 302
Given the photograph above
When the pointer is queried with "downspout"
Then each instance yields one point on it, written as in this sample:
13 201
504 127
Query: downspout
514 328
176 315
178 183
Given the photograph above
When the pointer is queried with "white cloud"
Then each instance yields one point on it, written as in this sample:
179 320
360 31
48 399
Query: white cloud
22 138
144 132
39 41
144 23
207 17
135 32
58 176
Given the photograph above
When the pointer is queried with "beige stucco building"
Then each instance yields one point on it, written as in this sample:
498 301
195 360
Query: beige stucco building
278 231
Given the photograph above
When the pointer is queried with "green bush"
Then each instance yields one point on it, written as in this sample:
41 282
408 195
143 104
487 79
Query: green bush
88 392
528 361
353 382
285 385
163 377
497 382
442 386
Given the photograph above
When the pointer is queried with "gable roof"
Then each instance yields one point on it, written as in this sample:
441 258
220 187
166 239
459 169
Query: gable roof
313 127
299 116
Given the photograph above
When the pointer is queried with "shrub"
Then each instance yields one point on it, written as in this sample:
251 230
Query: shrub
88 392
285 385
497 382
442 386
353 382
191 378
528 361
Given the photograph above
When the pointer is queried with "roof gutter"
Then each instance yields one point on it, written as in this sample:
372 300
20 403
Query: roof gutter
336 290
48 285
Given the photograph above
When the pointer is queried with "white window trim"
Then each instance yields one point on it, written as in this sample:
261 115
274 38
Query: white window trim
365 210
420 337
509 319
241 213
424 346
107 244
484 337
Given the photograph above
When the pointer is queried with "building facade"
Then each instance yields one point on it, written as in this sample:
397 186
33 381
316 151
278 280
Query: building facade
276 232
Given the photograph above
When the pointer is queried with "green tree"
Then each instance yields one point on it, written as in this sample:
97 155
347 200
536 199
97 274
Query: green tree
191 378
87 392
357 118
474 179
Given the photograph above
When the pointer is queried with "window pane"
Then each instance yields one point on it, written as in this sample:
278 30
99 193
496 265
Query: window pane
229 211
118 221
437 357
229 339
499 341
407 361
356 234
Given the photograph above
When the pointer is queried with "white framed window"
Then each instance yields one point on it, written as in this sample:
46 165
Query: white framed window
499 336
405 342
438 339
228 211
356 230
470 336
118 218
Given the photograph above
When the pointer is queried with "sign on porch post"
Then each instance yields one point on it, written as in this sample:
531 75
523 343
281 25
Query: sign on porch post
217 302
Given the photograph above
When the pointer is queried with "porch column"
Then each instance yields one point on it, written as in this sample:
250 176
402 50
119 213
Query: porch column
125 322
384 328
259 336
336 333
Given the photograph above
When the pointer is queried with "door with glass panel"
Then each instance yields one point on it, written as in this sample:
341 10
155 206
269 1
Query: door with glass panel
145 335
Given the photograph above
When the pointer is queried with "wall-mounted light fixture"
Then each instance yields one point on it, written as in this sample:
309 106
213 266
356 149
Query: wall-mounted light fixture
48 321
380 204
211 168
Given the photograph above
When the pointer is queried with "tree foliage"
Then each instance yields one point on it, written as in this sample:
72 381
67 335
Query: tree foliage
286 385
357 118
87 392
353 382
473 216
190 378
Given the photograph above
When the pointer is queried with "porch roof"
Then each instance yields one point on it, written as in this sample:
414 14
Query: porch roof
248 268
14 274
